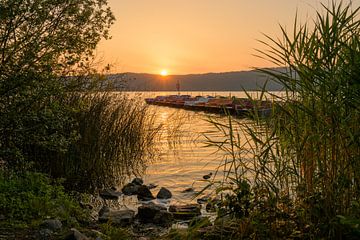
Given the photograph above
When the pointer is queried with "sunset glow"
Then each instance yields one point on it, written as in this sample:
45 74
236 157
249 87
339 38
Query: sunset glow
197 36
164 72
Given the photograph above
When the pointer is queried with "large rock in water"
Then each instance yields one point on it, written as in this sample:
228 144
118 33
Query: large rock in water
144 193
130 189
117 217
185 212
164 193
137 181
156 214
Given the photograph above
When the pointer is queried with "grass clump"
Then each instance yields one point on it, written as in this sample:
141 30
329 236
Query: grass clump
115 233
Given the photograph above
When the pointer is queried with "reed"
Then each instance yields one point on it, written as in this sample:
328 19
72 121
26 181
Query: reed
114 141
303 161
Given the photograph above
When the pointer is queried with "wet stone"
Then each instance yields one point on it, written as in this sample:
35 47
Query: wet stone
144 194
187 190
130 189
202 200
137 181
155 214
118 217
185 212
164 193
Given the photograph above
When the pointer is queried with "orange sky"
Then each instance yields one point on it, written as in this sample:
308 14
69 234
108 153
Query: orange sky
196 36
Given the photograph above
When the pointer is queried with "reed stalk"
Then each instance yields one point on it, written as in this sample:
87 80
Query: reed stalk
308 151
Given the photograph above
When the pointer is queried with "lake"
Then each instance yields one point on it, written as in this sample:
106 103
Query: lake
183 157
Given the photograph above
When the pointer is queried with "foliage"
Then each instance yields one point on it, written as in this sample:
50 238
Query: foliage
296 174
114 233
31 197
116 134
42 43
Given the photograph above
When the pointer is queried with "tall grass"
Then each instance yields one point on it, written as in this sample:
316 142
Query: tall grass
115 139
306 157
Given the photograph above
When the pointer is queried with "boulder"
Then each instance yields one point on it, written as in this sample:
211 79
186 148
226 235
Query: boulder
137 181
118 217
44 233
164 193
144 193
185 212
109 194
52 224
154 213
130 189
74 234
147 212
163 218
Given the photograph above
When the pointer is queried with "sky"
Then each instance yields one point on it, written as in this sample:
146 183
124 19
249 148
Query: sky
197 36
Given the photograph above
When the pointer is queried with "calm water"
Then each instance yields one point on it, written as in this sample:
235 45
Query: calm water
183 156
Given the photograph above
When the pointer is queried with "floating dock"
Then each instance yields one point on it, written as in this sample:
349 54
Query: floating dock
231 105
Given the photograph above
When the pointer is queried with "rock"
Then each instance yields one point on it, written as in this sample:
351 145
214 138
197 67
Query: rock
154 213
202 200
104 210
164 193
109 194
118 217
137 181
144 193
74 234
163 218
147 212
52 224
207 176
45 233
190 189
151 186
130 189
185 212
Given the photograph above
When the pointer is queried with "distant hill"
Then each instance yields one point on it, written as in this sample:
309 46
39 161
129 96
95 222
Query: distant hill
227 81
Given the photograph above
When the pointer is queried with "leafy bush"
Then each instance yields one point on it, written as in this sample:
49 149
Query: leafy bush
43 43
30 197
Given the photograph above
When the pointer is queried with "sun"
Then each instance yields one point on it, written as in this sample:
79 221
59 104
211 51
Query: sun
164 72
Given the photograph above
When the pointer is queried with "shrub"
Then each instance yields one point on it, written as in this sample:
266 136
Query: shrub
31 197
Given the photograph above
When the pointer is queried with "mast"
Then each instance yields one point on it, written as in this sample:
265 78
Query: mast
178 86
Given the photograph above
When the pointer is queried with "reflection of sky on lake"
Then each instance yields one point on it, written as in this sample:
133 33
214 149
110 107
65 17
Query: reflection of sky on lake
184 157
